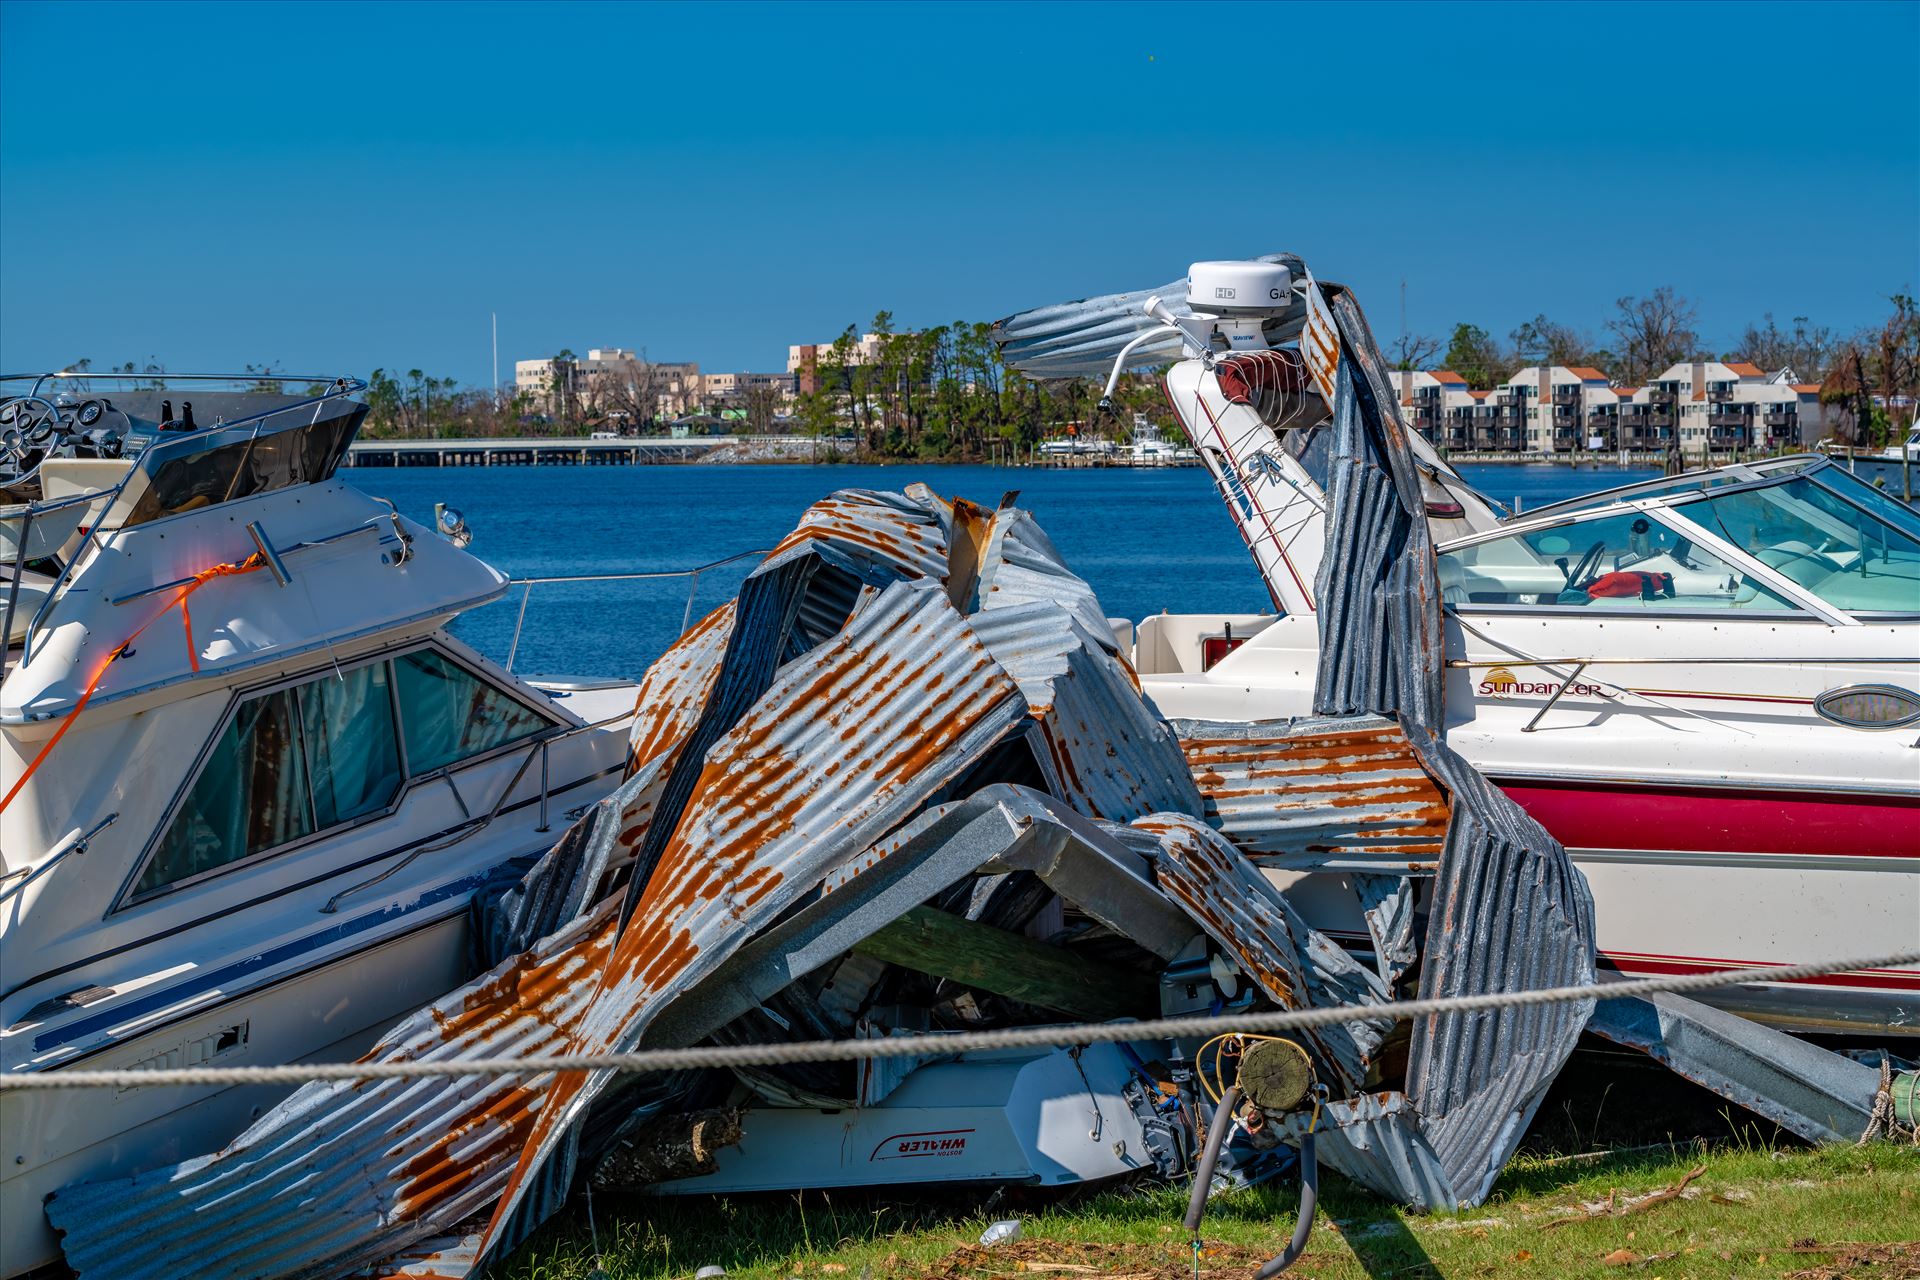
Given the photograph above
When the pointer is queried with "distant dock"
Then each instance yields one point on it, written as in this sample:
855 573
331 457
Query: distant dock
524 451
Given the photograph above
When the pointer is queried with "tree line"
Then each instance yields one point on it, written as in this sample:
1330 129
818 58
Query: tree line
944 392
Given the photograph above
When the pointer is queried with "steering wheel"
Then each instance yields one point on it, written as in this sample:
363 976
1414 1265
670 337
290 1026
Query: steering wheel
28 435
1578 579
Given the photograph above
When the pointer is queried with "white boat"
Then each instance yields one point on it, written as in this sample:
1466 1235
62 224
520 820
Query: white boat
1894 470
1704 686
259 842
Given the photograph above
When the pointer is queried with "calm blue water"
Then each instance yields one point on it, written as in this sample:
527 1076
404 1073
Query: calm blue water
1147 540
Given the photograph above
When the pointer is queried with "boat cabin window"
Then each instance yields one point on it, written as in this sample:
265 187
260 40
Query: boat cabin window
288 764
451 714
1621 563
297 761
1835 549
239 468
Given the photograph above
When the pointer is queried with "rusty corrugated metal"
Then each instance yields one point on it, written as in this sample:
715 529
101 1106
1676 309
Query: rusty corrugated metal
1022 566
343 1175
1296 966
889 712
1102 749
1305 793
887 534
575 872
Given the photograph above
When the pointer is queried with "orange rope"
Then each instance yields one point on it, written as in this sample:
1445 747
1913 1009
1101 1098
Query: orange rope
192 585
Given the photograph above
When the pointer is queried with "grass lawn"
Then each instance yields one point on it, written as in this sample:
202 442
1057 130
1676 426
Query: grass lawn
1764 1206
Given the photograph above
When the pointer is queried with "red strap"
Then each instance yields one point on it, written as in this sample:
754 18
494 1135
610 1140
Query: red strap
192 585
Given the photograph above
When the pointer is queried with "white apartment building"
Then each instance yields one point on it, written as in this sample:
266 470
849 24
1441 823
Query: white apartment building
1555 403
734 388
1718 406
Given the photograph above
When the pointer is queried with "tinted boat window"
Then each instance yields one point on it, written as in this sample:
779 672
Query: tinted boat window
352 754
451 714
1834 549
241 468
251 796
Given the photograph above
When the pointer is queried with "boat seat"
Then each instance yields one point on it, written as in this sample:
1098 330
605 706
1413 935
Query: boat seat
32 596
49 532
1453 582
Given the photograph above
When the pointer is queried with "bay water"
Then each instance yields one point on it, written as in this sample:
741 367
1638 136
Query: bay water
1146 539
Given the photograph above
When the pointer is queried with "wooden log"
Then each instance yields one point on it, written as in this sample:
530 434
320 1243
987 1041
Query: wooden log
1009 964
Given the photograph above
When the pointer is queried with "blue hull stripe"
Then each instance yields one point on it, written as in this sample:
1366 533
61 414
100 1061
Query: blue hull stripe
80 1028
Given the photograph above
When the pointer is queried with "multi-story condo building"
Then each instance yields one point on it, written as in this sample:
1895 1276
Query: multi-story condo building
1717 406
1555 403
730 390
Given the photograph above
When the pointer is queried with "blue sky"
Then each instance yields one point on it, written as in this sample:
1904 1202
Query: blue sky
351 185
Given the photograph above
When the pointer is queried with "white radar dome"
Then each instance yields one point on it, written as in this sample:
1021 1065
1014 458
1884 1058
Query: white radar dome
1228 288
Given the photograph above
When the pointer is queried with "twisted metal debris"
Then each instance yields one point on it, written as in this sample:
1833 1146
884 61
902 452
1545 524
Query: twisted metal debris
915 712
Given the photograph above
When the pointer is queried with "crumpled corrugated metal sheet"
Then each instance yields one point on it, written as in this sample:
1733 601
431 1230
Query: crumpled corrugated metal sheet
1376 1140
1020 565
889 711
887 535
1509 912
1388 904
1081 339
1100 746
574 874
341 1175
1319 793
1296 966
1819 1095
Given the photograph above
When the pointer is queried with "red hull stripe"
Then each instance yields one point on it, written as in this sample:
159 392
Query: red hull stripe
1648 966
1710 820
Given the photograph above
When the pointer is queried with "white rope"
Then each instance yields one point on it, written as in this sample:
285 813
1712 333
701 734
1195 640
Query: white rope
767 1055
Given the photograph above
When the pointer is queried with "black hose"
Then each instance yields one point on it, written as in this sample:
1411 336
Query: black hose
1303 1224
1210 1156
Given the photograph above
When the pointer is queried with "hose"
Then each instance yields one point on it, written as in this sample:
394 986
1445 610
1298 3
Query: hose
1303 1224
1210 1156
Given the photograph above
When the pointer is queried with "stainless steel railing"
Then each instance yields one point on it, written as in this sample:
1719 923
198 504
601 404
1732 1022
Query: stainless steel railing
686 616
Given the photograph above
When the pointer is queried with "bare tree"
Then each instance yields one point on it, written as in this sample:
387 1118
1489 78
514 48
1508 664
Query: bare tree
1414 350
1551 343
631 395
1807 348
1654 332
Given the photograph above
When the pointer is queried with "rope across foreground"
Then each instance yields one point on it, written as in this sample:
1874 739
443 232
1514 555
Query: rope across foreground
764 1055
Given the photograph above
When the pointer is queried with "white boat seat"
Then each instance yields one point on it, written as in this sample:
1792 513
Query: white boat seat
1453 582
49 532
32 596
66 477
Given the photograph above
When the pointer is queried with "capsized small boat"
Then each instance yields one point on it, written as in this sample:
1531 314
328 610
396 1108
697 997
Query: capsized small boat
1704 686
259 842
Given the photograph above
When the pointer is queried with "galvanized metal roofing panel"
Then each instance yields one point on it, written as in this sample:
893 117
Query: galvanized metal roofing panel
1103 750
1081 339
1376 1140
1509 912
1302 793
887 534
1022 566
342 1175
1296 966
1817 1094
846 744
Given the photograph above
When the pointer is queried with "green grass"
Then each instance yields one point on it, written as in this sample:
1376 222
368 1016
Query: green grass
1766 1206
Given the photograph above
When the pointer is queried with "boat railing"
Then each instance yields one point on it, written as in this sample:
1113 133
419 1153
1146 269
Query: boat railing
692 575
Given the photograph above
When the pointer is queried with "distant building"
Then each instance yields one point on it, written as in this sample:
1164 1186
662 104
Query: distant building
1718 406
1555 404
804 359
732 390
609 380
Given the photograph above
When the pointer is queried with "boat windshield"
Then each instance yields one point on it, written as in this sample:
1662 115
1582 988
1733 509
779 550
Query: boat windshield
1674 486
1845 552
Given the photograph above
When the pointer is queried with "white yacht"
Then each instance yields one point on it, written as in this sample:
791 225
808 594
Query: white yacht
1704 686
248 782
